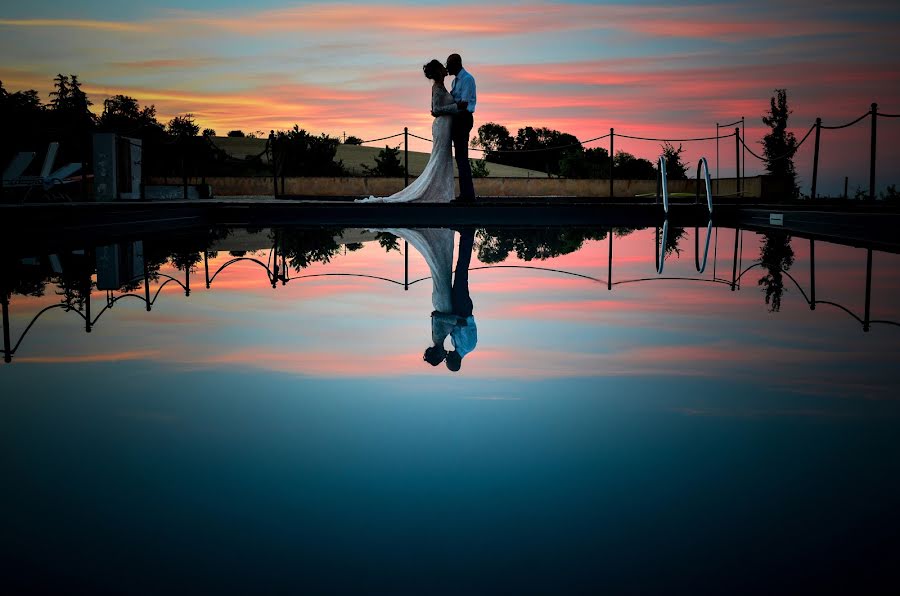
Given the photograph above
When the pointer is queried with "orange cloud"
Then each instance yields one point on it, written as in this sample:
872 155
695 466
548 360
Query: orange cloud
78 24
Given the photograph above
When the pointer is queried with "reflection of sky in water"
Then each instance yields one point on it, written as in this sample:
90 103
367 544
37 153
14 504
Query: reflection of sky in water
654 435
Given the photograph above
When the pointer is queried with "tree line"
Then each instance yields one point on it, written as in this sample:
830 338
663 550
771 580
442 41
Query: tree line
170 149
178 147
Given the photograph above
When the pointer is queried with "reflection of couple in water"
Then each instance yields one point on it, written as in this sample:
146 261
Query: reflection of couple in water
452 315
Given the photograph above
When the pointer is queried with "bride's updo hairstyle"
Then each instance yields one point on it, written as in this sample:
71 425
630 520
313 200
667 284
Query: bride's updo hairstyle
434 70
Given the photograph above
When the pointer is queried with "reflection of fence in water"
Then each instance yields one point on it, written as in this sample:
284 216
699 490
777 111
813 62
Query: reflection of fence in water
277 270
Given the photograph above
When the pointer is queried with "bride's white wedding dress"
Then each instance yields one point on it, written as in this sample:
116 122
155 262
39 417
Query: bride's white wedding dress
435 183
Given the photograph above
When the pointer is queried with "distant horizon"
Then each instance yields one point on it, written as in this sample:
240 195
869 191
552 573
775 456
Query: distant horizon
651 69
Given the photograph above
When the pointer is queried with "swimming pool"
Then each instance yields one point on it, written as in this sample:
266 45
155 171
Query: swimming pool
258 417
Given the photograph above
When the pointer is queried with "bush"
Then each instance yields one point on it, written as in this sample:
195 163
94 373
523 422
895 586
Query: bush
387 164
479 168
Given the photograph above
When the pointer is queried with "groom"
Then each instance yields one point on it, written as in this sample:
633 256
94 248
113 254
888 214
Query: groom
463 92
460 323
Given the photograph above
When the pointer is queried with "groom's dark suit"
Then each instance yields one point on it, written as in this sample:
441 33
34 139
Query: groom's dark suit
463 90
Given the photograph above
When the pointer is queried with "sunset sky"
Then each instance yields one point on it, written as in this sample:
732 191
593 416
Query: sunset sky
646 68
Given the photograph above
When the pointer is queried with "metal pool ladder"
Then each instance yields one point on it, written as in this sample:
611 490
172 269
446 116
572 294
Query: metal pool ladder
662 187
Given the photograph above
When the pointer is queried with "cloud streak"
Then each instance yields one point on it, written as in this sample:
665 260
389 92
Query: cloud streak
90 25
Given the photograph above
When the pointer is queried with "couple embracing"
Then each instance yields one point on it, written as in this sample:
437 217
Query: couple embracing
453 121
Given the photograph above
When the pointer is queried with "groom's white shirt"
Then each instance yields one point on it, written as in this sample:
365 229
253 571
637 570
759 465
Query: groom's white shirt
463 89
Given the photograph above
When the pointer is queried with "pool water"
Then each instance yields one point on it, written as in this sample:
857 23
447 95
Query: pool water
260 419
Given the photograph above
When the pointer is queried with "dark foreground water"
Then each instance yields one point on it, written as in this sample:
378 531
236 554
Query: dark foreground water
639 432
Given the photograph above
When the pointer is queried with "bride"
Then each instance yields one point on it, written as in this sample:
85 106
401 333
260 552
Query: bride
435 183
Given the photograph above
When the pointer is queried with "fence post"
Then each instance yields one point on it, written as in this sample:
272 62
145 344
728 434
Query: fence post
868 288
872 159
405 156
272 163
743 152
7 342
147 285
609 267
206 267
734 263
815 175
812 274
846 182
717 158
405 265
274 255
612 135
737 160
184 181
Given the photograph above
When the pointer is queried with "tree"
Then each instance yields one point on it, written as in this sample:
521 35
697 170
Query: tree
24 122
493 138
351 140
675 168
78 99
629 167
183 126
590 163
387 164
60 94
124 115
543 149
236 133
299 153
69 119
209 132
779 145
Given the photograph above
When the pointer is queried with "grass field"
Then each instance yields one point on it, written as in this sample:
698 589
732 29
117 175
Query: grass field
355 156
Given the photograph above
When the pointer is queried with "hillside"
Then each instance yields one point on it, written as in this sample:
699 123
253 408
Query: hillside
355 156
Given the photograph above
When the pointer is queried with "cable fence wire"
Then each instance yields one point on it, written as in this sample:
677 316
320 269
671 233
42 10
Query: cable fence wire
728 136
244 159
782 156
866 115
656 140
557 148
399 134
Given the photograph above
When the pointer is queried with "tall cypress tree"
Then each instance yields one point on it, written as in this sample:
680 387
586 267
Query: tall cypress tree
779 145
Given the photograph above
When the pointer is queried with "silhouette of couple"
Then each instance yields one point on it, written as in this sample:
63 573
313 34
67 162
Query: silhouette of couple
452 314
453 121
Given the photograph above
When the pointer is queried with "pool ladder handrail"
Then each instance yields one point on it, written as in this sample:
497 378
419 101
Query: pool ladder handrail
662 187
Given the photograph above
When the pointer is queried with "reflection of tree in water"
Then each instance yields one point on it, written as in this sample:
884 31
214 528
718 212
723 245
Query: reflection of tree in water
304 247
184 260
388 241
74 284
672 239
494 245
776 256
24 280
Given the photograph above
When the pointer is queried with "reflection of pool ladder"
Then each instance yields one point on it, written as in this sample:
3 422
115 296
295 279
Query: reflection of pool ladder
662 188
